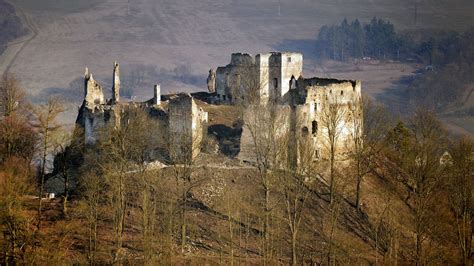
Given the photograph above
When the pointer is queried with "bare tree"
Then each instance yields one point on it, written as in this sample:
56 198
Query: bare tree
17 137
268 128
15 182
48 129
333 116
461 188
340 187
68 155
92 187
124 152
184 156
414 155
369 123
295 181
12 95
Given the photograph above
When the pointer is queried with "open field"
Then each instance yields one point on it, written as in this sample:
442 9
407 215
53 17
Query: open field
194 35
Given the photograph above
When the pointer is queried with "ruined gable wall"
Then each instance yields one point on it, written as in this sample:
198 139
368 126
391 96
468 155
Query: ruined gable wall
93 91
263 126
180 125
186 122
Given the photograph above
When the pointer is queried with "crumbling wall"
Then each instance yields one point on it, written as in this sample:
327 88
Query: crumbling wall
314 98
307 111
266 76
186 121
266 130
93 93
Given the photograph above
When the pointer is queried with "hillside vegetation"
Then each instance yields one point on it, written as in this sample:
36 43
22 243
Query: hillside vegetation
403 197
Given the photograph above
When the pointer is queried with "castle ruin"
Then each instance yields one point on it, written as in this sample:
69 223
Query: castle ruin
272 79
182 121
301 105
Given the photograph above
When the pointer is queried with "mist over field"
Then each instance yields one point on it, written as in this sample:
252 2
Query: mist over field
175 43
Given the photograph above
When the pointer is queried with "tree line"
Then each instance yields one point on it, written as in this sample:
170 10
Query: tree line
274 211
446 56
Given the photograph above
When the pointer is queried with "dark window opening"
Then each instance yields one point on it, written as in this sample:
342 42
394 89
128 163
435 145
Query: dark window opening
293 83
314 127
289 59
223 97
342 92
317 154
275 83
330 91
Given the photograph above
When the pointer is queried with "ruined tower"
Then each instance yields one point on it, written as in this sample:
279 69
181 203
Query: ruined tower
93 94
116 86
268 76
157 94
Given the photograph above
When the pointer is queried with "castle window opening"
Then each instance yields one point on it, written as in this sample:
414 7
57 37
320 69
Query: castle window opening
275 83
342 93
223 97
314 127
293 83
289 59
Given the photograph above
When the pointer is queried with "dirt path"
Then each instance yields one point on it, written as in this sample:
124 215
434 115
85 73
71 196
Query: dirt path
15 47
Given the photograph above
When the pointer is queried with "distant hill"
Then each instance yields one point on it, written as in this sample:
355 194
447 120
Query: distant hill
10 25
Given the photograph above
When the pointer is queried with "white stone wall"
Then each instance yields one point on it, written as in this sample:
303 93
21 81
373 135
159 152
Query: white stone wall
186 123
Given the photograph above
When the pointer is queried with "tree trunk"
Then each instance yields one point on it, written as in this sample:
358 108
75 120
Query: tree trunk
266 225
293 249
359 181
66 193
43 169
183 224
331 176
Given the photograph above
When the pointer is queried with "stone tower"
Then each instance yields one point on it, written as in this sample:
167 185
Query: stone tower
93 94
157 94
116 86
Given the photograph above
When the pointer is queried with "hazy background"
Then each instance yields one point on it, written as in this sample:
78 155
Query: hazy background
176 42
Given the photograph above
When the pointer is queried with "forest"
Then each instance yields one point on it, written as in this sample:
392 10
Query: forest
119 208
446 57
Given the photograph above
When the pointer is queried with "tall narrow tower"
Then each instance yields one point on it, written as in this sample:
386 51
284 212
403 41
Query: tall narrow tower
116 87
